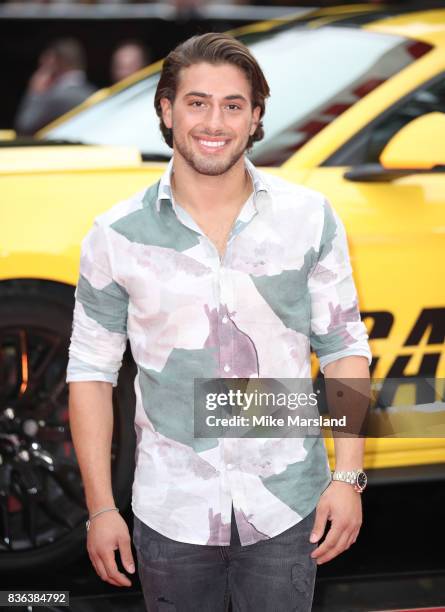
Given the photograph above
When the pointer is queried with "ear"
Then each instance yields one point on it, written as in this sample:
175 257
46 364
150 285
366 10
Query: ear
255 119
166 108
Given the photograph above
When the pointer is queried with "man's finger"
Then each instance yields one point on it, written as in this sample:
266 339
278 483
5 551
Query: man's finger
321 516
354 535
101 571
96 569
331 540
350 541
339 546
109 562
126 554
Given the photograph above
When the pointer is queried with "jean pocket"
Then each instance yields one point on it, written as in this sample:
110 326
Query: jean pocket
150 545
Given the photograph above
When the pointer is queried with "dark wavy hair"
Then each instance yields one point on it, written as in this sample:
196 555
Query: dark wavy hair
215 49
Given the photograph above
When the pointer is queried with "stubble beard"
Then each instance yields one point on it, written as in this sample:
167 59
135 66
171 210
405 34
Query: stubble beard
207 165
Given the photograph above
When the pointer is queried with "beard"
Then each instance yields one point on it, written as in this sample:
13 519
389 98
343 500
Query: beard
207 165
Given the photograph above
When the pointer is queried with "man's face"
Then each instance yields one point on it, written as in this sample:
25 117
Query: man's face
125 61
211 117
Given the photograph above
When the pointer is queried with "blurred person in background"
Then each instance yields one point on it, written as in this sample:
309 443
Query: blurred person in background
128 57
58 85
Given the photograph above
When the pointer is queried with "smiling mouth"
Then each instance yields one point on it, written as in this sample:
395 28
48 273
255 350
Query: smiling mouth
211 144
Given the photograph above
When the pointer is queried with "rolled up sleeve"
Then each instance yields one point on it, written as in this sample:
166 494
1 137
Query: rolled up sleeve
336 327
99 329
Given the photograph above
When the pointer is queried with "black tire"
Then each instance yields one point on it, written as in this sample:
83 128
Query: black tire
43 508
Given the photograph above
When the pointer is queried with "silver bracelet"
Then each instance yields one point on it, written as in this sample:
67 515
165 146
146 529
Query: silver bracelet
88 523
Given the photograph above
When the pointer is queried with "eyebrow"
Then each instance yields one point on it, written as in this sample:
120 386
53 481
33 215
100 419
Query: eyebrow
201 94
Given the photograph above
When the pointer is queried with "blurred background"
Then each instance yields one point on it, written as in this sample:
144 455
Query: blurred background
108 39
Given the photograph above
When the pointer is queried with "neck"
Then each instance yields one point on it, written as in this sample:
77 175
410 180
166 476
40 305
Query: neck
224 192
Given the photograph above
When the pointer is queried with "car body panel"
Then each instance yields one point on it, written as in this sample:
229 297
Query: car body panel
396 233
35 160
425 25
43 241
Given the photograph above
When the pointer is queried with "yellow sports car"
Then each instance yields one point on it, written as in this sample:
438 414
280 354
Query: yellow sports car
357 111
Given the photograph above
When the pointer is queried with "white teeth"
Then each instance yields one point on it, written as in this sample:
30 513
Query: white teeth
209 143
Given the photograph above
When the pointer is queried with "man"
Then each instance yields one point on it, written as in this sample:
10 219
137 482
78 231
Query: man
129 57
57 86
217 271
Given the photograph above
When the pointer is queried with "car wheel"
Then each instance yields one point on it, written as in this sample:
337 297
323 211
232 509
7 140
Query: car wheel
42 502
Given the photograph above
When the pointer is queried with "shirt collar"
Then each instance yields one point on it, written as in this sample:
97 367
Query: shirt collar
259 185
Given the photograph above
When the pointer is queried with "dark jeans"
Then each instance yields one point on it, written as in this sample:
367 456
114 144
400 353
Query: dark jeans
274 575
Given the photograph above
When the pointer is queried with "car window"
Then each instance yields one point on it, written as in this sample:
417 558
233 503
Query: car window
366 147
315 74
125 118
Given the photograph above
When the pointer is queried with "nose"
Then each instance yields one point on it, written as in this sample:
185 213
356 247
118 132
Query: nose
214 119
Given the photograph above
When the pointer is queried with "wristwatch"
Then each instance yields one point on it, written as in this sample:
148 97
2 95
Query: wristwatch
357 478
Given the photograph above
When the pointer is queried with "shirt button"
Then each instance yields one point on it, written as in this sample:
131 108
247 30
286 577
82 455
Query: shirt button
227 368
230 466
224 319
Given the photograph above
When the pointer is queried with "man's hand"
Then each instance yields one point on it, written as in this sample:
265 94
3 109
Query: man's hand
341 505
45 75
109 532
41 81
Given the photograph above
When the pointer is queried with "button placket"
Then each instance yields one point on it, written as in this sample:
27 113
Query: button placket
226 295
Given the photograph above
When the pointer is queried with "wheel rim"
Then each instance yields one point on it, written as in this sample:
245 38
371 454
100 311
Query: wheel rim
41 493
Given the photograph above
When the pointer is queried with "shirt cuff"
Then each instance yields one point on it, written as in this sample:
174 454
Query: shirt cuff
344 353
79 370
